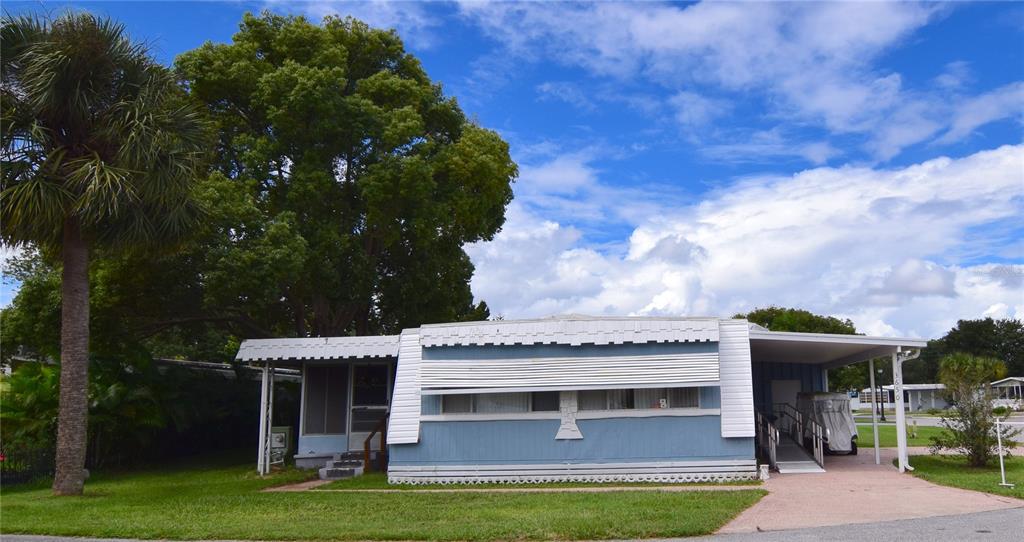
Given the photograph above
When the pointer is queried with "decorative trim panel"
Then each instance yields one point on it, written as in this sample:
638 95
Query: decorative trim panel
406 403
666 472
571 330
737 388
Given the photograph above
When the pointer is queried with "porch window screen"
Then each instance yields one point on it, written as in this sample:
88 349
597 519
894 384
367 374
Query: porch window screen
326 400
639 399
457 404
502 402
497 403
606 399
545 401
592 400
684 397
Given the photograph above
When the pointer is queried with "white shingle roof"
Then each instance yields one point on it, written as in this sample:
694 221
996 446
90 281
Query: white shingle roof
571 330
378 346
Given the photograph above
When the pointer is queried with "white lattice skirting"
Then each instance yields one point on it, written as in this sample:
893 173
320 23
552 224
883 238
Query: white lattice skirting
663 472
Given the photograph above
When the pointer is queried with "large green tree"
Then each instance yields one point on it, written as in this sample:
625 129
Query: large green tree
986 337
99 149
347 181
798 320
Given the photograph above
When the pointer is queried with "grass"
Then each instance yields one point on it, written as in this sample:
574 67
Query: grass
377 480
890 414
217 500
887 436
952 470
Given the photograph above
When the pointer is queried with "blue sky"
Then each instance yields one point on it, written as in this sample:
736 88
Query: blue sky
862 160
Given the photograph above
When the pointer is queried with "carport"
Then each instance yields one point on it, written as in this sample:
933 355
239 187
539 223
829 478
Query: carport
784 364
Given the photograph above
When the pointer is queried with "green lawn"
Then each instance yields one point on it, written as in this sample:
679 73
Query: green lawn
952 470
377 480
207 501
887 436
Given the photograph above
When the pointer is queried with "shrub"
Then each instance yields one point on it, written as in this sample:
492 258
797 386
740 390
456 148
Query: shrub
28 422
970 426
137 413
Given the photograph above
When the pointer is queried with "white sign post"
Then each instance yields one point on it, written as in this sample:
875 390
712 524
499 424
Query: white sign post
999 440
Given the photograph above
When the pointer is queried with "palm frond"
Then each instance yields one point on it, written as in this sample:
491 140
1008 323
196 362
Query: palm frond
93 128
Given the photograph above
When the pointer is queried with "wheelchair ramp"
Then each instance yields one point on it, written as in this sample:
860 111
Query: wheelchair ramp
791 458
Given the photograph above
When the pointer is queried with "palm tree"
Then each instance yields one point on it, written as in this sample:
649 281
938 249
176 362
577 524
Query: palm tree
99 151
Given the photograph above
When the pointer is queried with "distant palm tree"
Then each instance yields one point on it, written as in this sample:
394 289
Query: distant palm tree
99 149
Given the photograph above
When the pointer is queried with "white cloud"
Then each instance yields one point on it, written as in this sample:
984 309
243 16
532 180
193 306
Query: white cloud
1001 103
955 76
769 144
863 243
566 92
810 63
695 111
566 188
417 27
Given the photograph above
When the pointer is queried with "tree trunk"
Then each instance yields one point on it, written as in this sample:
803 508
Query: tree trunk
72 420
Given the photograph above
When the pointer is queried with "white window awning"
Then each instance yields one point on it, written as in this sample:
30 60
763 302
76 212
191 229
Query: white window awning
446 376
318 348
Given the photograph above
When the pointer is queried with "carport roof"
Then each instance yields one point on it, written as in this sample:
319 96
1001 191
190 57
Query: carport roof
828 350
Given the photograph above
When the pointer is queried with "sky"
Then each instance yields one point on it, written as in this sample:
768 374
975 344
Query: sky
863 160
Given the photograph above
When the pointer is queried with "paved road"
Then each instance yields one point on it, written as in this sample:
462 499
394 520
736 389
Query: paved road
999 525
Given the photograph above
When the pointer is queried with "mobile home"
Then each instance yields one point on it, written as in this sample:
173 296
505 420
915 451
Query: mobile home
564 398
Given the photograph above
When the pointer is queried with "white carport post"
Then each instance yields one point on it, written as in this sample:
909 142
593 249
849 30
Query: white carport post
266 413
901 423
874 411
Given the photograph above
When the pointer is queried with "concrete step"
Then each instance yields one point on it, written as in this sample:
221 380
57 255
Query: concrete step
330 473
798 467
345 464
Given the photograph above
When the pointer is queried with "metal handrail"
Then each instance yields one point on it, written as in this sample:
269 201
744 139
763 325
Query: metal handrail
767 439
784 410
794 425
382 453
819 433
818 443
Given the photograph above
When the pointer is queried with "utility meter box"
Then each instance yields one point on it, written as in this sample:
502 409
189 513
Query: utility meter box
280 443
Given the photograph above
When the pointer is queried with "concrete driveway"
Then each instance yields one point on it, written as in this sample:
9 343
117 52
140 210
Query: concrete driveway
855 490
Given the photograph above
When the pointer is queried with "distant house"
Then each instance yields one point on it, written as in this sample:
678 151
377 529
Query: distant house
565 398
916 397
1009 392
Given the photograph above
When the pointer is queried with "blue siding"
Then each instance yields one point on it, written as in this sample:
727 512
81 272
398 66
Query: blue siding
471 353
663 438
322 444
810 377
